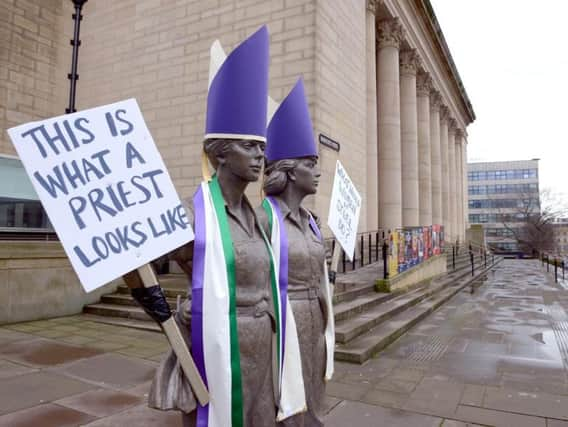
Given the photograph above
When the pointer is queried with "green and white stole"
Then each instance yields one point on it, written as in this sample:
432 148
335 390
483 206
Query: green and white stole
279 241
214 334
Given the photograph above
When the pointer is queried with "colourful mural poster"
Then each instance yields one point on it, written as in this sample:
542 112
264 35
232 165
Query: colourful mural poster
393 254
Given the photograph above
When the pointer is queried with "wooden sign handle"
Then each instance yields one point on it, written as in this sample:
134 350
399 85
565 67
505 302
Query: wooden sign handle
175 337
334 261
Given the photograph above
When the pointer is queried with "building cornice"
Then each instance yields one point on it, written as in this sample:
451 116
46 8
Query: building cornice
425 7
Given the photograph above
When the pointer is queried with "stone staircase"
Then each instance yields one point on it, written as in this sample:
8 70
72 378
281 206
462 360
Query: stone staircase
366 321
368 324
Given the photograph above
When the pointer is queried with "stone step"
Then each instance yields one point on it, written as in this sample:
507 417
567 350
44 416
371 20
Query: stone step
348 329
144 325
112 310
126 299
352 292
376 339
347 309
168 292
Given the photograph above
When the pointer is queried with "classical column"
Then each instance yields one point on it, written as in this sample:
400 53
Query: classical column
389 35
465 184
459 186
423 87
444 116
452 188
436 156
409 61
372 156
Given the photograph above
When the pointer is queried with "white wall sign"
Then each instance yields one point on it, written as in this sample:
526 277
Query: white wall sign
344 210
105 188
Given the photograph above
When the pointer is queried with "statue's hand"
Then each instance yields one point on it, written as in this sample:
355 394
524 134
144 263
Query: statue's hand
183 313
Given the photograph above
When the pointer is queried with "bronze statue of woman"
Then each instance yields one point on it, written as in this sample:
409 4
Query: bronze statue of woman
231 317
291 174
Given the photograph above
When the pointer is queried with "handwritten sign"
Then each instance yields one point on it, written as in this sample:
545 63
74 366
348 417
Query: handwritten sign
105 189
344 210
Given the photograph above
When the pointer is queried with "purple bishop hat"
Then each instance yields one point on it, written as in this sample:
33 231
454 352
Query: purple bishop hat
290 134
238 91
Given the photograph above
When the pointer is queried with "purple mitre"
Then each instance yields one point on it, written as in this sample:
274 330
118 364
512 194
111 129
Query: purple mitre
290 134
238 94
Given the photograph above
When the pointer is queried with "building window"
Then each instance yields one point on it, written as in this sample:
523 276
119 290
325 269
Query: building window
20 208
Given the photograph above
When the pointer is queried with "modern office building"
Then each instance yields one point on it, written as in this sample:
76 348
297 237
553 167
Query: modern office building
385 95
501 194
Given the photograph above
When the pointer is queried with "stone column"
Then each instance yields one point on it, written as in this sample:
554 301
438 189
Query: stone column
389 35
465 184
372 156
459 185
436 157
423 87
409 61
452 188
444 115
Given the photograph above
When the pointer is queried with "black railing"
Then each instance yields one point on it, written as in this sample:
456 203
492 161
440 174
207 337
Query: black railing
558 264
368 249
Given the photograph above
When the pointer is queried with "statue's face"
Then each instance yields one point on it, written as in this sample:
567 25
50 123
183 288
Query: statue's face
307 175
244 158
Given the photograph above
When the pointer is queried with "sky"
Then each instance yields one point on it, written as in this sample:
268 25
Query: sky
512 56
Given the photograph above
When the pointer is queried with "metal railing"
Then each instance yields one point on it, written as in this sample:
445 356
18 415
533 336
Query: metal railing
556 263
368 249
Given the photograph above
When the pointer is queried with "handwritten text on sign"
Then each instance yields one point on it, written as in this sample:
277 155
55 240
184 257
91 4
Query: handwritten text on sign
344 210
105 188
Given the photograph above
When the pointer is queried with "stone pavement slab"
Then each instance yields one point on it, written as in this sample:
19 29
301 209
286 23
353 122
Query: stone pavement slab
47 415
9 369
43 352
362 415
24 391
101 403
543 404
140 416
497 418
111 370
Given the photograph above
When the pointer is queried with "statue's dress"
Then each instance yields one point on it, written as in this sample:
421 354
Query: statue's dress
306 256
255 325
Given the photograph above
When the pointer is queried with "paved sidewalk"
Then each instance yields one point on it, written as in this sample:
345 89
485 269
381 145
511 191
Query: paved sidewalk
496 357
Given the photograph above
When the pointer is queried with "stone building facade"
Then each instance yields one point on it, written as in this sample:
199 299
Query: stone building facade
378 74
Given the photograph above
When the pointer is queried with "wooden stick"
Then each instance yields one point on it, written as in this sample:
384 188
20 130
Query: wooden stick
171 329
335 261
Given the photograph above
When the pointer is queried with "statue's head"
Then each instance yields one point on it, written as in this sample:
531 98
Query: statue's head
241 158
300 175
291 153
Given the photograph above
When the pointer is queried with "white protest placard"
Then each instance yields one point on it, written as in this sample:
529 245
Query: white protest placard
344 209
105 189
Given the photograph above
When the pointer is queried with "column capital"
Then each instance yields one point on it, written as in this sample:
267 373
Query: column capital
423 83
409 62
372 6
452 124
444 114
389 33
459 135
435 99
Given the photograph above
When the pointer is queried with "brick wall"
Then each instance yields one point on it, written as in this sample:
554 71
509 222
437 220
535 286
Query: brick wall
34 61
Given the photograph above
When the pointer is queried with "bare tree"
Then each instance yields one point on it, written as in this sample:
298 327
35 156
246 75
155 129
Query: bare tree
531 222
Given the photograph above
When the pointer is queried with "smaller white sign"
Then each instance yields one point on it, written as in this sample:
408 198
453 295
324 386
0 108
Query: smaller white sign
105 189
344 210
